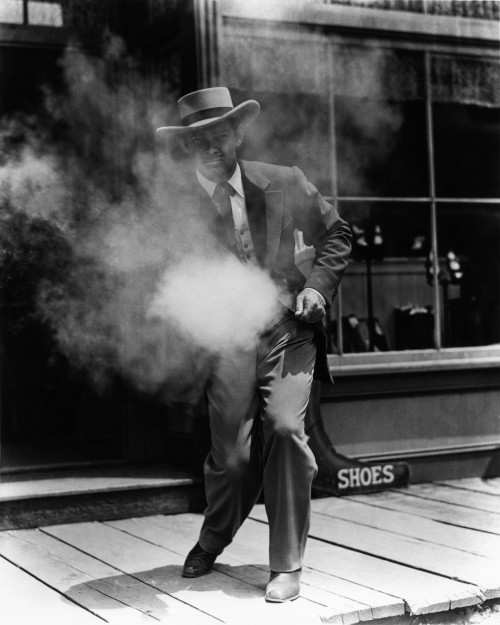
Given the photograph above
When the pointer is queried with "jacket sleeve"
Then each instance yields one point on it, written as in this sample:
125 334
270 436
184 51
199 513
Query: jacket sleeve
324 229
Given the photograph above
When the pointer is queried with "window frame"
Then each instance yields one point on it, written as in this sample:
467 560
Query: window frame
26 15
344 25
432 199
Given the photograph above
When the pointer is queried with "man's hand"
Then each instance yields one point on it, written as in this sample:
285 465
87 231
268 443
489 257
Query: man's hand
309 306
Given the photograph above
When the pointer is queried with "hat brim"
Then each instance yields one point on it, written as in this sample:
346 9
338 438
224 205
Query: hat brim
244 113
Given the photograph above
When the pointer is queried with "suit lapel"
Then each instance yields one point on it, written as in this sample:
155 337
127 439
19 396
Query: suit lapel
265 212
274 214
256 211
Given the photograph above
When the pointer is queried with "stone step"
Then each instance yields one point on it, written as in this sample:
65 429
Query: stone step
97 494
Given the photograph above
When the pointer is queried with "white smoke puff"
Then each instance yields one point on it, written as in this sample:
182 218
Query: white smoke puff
218 304
35 185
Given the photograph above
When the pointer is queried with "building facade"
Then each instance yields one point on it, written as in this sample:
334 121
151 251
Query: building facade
392 109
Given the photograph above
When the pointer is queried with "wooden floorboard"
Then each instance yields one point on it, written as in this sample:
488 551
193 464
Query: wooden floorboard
472 569
89 582
389 554
225 597
433 509
422 592
416 557
24 600
457 497
405 524
249 549
490 486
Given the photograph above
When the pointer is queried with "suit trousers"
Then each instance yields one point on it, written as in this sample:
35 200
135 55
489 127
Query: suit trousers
257 400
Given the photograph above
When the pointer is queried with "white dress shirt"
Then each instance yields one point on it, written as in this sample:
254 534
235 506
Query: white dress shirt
240 217
237 199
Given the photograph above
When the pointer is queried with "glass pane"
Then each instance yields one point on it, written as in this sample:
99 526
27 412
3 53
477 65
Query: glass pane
44 13
386 295
380 123
279 60
470 277
467 150
291 129
40 68
11 11
466 120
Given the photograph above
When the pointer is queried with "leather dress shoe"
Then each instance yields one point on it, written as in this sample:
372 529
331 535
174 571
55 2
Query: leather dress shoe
283 586
198 562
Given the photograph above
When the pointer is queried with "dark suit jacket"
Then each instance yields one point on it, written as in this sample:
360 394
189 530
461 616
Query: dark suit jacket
278 201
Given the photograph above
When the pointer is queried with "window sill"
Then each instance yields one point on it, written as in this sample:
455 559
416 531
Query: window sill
387 363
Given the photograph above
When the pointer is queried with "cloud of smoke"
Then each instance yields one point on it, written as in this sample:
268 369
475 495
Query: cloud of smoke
220 306
89 169
140 291
370 89
36 185
312 89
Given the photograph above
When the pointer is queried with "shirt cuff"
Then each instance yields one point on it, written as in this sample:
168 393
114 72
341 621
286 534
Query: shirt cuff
323 300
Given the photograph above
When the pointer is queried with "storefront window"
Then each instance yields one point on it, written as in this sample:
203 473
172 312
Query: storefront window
466 145
406 143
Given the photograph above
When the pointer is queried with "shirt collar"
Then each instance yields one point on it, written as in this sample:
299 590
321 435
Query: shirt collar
235 181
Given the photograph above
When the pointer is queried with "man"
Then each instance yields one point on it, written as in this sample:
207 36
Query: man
257 397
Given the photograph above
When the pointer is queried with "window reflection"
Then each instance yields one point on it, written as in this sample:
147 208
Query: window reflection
386 294
471 302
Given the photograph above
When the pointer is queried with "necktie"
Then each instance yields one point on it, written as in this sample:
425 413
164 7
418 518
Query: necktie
222 197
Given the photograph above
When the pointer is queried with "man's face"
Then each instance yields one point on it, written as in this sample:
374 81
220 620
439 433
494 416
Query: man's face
213 150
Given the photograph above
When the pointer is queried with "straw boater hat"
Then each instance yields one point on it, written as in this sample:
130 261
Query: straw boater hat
207 107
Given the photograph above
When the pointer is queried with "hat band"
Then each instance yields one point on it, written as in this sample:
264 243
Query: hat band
205 114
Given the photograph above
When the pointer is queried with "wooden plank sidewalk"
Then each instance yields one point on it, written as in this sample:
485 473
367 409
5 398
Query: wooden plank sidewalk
429 550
